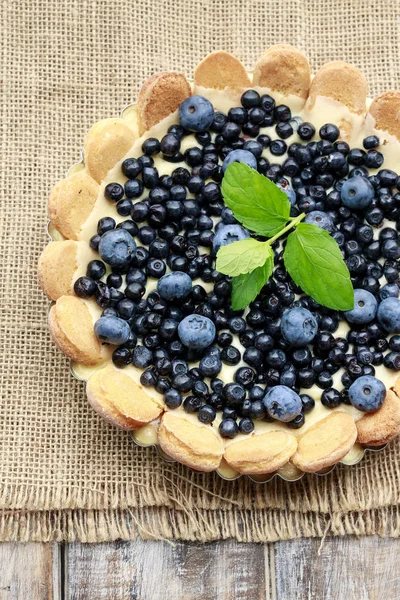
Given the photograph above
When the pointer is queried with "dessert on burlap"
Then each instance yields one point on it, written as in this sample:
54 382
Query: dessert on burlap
147 363
63 468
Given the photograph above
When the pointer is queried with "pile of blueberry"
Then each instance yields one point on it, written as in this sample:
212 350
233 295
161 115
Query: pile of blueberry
287 341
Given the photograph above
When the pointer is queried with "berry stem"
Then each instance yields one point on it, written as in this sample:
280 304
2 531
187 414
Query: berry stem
294 221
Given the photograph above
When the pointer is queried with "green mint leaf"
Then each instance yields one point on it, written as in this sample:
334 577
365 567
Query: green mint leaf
245 288
242 257
315 263
255 201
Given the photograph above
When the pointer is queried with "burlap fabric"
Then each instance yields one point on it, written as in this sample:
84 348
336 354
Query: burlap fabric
65 474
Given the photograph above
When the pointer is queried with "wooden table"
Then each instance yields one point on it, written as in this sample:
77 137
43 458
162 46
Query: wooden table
338 569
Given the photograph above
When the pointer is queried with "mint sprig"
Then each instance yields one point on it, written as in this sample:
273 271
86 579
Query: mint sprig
314 262
242 257
312 257
246 287
255 201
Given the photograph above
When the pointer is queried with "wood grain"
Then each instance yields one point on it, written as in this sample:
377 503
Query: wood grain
29 571
161 571
343 568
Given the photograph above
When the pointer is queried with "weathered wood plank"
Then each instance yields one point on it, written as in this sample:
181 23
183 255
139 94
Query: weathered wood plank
344 568
29 571
159 571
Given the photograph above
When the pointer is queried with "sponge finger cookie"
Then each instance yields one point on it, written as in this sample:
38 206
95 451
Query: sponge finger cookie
105 144
385 110
325 442
160 96
56 268
70 203
71 327
347 87
283 70
191 443
220 70
121 400
378 428
262 453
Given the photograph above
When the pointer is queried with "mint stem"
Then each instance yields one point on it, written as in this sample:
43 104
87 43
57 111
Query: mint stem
294 221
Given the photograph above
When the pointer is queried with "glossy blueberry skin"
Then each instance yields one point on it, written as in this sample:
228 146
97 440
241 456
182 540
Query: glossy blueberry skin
196 113
242 156
321 219
389 290
367 393
174 286
389 315
365 307
298 326
227 234
112 330
285 186
282 403
357 193
116 247
196 331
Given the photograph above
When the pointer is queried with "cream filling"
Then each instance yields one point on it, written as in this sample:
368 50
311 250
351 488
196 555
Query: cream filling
325 110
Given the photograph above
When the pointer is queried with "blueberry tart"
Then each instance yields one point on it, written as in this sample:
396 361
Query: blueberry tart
224 268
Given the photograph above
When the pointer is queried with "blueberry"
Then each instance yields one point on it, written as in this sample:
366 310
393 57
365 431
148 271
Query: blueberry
196 113
242 156
357 193
172 398
321 219
112 330
85 287
142 357
96 269
389 315
234 394
210 365
285 186
367 393
227 234
308 402
372 141
329 132
246 426
174 286
196 331
298 326
365 307
228 428
121 357
390 290
116 247
206 414
282 403
113 192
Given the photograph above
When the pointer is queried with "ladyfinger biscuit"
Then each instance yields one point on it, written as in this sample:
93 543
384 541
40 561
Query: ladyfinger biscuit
220 70
105 144
263 453
196 446
386 111
71 327
70 203
283 68
325 442
341 82
56 268
160 96
120 400
378 428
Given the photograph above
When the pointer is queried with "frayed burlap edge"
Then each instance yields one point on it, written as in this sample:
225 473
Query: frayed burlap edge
90 526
